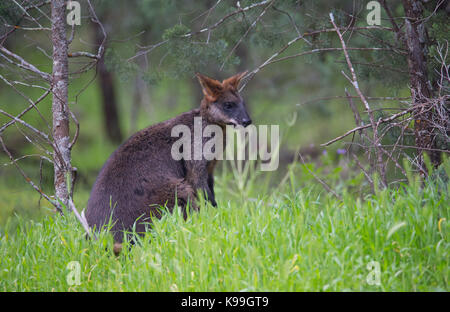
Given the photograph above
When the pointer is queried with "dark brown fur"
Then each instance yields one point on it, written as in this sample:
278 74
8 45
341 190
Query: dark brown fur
141 175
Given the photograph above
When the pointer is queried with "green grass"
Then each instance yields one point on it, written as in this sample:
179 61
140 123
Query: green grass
299 240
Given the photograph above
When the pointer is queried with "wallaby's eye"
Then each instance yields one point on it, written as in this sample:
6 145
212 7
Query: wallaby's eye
229 105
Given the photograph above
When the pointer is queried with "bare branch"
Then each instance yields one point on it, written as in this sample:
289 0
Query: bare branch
29 181
388 119
354 82
246 32
85 54
22 63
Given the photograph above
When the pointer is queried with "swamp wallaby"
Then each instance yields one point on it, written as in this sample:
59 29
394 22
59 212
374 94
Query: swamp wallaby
142 174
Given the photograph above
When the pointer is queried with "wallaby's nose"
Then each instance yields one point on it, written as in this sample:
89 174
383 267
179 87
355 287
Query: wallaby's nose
246 122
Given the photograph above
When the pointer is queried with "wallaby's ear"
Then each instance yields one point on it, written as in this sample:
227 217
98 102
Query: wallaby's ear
233 81
211 87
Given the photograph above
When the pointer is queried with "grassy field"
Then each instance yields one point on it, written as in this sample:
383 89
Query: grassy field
299 238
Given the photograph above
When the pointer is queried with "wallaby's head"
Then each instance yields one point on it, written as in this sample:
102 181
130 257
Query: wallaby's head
222 104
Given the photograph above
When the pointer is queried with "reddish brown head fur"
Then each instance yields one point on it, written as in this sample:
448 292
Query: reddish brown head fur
222 103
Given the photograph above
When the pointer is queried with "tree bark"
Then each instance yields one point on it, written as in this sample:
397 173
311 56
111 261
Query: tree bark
421 90
60 109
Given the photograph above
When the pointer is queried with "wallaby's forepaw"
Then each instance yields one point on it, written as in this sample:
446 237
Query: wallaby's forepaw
117 249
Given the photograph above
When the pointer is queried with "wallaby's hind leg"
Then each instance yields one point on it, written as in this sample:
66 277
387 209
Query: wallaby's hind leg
174 191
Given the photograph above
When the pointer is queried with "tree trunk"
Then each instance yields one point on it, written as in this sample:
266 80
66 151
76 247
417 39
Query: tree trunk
421 89
109 99
60 109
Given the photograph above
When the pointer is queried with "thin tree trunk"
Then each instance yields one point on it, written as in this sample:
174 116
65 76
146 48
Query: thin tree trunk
416 43
60 109
109 99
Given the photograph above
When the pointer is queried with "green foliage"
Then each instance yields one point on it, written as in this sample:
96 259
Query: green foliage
151 10
125 70
175 32
185 56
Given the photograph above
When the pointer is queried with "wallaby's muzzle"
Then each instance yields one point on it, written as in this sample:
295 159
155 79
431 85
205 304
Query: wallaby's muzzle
246 121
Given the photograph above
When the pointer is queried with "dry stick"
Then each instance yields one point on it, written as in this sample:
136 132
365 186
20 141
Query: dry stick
9 123
223 19
101 48
379 66
40 133
45 136
251 74
391 18
390 118
16 82
324 50
358 121
53 202
404 146
28 99
356 114
364 171
27 156
424 148
23 64
77 131
246 32
210 11
324 184
292 22
26 12
38 144
369 98
72 35
394 49
85 54
316 32
358 163
40 180
391 157
38 8
354 82
29 28
13 29
357 118
80 219
444 71
400 137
